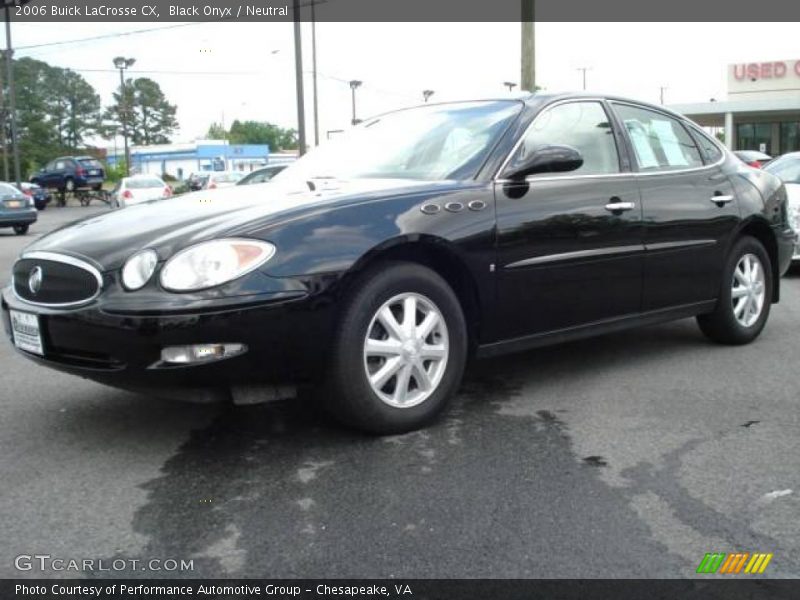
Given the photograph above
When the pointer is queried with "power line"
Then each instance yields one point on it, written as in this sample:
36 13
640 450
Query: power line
109 36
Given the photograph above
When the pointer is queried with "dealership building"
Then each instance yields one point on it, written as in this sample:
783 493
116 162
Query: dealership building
761 111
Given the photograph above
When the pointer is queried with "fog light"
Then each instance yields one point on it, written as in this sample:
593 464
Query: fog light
198 353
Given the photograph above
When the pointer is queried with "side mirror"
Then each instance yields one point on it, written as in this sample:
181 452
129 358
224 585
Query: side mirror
545 159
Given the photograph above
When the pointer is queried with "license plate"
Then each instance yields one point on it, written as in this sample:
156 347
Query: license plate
14 204
27 335
94 172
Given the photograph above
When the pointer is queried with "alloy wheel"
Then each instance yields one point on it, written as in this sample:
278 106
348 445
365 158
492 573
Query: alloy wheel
406 350
748 290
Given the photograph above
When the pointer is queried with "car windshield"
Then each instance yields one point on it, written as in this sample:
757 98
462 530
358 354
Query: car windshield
143 183
438 142
786 168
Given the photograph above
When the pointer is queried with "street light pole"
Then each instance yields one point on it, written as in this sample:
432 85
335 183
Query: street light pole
662 88
510 85
426 94
584 69
298 76
354 85
314 69
12 96
122 63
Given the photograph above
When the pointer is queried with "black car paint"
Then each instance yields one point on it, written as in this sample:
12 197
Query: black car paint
477 233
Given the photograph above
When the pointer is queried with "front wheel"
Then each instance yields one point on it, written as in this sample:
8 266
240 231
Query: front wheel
20 229
400 351
745 297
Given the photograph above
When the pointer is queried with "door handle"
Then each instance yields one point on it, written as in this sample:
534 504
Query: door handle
720 200
618 206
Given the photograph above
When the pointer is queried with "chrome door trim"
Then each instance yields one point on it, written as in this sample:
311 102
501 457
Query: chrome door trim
680 244
593 253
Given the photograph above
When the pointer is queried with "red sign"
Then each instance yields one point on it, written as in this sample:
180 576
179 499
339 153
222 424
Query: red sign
766 70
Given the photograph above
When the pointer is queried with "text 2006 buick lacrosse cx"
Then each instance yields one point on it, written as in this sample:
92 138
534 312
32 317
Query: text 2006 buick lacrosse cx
378 264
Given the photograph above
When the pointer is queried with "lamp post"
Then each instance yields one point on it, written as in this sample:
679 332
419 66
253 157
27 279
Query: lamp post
510 85
354 85
583 70
122 63
12 96
426 94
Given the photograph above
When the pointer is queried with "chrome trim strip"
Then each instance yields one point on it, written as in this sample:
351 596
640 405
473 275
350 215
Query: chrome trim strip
532 179
681 244
64 259
593 253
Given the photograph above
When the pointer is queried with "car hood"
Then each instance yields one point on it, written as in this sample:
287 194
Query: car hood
169 225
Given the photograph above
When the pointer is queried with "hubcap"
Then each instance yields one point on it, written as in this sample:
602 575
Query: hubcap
748 290
406 350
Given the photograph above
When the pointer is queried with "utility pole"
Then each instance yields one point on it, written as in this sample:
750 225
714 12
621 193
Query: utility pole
122 63
584 69
354 85
528 47
662 88
426 94
4 134
314 69
12 100
298 77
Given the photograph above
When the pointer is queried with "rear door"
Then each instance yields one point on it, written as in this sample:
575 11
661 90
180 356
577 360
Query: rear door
688 203
569 245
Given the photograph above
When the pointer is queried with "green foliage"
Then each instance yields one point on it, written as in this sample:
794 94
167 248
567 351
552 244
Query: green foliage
56 110
255 132
116 172
150 119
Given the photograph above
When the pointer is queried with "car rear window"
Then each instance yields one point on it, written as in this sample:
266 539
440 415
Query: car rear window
8 191
90 163
144 183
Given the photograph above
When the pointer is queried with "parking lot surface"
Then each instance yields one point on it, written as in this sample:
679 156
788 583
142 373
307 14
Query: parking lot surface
629 455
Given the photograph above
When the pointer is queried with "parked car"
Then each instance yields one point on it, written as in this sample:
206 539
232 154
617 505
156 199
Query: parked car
137 189
787 169
70 173
41 197
222 179
753 158
196 181
17 210
436 233
262 175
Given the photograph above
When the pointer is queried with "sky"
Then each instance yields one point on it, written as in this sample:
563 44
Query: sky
218 72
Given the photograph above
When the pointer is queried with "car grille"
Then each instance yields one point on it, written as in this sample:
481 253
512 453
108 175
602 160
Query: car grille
50 279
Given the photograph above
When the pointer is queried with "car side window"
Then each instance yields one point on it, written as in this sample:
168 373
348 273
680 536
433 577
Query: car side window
660 142
60 164
50 166
583 125
711 151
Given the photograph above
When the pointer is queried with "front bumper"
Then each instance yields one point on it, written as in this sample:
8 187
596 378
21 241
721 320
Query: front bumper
286 334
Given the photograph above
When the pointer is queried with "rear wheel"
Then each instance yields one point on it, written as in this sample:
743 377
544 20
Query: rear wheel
745 297
400 351
20 229
69 186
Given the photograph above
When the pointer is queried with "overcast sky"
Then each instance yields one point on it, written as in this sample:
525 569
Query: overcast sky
246 70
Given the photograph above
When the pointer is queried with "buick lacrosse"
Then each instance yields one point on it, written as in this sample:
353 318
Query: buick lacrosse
374 267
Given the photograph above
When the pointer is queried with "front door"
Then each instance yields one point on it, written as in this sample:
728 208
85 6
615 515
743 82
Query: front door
569 246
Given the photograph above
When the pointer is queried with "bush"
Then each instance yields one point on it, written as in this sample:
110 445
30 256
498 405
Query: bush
115 172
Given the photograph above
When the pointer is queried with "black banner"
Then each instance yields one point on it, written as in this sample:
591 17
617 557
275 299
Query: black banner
418 589
404 10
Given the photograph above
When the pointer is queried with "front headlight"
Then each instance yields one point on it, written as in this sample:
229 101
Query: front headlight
209 264
138 269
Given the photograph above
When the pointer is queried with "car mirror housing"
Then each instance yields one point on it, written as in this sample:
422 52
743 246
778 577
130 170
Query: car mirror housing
545 159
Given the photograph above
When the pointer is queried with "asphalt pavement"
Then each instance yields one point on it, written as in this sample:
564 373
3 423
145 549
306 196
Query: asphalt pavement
629 455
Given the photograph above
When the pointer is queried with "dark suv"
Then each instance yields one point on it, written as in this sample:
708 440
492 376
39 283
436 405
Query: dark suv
70 173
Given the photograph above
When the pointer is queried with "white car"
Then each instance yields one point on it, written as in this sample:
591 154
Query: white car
787 168
221 179
138 189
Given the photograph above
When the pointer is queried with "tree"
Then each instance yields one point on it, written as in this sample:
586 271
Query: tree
149 117
56 110
216 132
261 132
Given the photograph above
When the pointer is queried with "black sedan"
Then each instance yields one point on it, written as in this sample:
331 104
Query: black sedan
377 265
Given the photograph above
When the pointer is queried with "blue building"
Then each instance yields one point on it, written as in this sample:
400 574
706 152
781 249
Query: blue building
181 160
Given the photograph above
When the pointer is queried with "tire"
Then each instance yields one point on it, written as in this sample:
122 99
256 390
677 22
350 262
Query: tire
69 185
725 325
97 188
380 409
21 229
